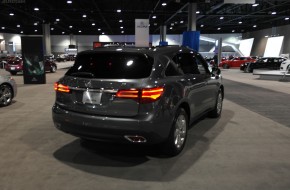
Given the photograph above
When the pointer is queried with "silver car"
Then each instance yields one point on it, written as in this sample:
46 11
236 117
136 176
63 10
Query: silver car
137 95
8 90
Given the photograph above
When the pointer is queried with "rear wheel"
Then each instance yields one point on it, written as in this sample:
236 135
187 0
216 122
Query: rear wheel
5 95
216 112
13 72
53 69
226 66
178 134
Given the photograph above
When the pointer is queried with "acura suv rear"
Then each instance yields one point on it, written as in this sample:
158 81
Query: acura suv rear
135 95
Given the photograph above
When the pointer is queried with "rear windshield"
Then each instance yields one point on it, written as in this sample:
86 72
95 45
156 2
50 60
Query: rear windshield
112 65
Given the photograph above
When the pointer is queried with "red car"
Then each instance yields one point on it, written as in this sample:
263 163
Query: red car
16 65
235 62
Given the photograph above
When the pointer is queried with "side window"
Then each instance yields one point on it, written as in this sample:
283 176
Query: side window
202 65
187 63
171 70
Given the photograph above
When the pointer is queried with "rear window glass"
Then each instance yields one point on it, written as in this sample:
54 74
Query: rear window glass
112 65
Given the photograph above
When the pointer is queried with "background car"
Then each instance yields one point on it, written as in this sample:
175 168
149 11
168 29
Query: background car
271 63
285 65
235 62
16 65
147 96
8 90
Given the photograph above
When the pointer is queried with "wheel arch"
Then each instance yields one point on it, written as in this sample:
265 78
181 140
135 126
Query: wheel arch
11 87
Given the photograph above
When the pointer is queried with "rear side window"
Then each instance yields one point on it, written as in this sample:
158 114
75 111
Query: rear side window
112 65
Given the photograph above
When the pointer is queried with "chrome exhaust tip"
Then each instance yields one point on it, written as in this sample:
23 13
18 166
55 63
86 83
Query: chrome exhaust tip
135 139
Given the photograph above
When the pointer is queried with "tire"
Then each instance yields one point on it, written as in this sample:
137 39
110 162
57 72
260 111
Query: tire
13 72
53 69
178 134
226 66
216 112
6 95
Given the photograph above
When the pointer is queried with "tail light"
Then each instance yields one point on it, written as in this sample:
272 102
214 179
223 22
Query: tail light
145 95
61 88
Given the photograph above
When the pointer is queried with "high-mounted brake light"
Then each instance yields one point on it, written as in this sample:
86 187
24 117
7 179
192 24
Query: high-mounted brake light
61 88
145 95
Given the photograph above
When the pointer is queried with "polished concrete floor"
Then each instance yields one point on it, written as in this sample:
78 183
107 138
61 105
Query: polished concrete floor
247 148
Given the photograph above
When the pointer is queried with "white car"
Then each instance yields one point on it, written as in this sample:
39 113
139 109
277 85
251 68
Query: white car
285 65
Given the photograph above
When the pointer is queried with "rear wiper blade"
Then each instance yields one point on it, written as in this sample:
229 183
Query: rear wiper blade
83 74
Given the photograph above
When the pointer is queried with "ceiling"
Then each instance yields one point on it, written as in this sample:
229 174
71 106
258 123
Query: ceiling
102 16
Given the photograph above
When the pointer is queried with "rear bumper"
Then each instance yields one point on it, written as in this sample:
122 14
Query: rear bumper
155 129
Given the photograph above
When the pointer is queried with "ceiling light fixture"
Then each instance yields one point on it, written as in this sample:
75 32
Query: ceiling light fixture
93 24
80 31
21 32
197 12
18 26
122 32
99 29
119 10
273 13
255 5
233 30
120 20
11 14
3 28
69 2
154 16
121 27
201 25
164 4
170 28
70 26
63 32
287 18
35 30
57 20
84 16
221 17
103 33
35 24
36 9
255 26
240 22
181 22
52 29
219 29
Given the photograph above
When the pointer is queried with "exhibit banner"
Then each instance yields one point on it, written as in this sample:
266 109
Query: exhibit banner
142 32
33 63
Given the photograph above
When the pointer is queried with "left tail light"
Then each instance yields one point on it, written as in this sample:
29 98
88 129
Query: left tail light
145 95
61 88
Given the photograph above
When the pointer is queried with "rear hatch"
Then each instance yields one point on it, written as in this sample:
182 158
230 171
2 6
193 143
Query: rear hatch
95 79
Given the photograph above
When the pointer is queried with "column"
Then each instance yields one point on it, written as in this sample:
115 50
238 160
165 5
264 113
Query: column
46 39
163 41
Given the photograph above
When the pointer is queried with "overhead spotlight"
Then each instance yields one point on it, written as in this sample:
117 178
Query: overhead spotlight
21 32
18 26
57 20
69 2
35 30
52 29
181 22
122 32
197 12
93 24
154 17
273 13
80 31
120 20
171 28
36 9
35 24
63 32
99 29
119 10
3 28
287 18
240 22
233 30
255 5
254 26
221 17
84 16
201 25
70 26
11 14
103 33
164 4
121 27
218 28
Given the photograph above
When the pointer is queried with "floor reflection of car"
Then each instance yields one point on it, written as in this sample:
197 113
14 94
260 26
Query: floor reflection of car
269 63
235 62
139 96
16 65
8 90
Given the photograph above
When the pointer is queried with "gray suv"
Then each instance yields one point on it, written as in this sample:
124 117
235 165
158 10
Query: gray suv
136 95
